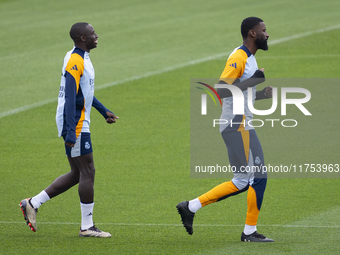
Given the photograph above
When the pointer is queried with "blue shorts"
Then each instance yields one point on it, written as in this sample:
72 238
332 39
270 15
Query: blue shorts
82 146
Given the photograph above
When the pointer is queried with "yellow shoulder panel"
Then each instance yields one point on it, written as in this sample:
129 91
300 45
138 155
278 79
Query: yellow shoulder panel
75 67
234 67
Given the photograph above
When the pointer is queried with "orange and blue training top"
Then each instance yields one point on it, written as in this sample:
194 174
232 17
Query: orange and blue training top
76 96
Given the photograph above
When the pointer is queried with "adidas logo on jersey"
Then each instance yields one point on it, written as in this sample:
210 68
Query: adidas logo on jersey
233 65
74 68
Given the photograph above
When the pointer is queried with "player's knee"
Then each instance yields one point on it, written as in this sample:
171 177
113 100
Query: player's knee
74 175
91 170
87 173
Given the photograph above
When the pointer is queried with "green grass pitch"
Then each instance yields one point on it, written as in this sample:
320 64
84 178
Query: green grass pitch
146 55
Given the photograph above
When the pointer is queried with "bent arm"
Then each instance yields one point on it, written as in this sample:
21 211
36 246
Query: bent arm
100 107
257 78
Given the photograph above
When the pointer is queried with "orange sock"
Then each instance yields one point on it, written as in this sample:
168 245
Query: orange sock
220 191
252 211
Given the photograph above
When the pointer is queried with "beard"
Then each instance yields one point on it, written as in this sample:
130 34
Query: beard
261 44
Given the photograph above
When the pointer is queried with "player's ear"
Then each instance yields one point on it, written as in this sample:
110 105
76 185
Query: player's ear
83 38
252 33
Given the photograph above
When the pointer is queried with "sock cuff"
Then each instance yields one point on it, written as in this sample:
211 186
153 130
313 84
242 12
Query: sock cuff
194 205
39 199
45 195
249 229
87 205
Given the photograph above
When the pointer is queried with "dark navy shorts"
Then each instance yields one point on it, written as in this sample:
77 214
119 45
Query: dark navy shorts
82 146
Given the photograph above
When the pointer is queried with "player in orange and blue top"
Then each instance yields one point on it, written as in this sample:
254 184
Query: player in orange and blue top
244 148
76 98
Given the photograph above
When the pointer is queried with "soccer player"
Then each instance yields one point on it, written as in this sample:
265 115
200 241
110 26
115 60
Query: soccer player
244 148
76 97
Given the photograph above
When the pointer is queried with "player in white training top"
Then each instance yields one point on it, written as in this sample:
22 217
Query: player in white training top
76 98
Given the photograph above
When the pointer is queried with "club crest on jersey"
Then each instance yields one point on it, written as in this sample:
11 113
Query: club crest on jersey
257 160
87 145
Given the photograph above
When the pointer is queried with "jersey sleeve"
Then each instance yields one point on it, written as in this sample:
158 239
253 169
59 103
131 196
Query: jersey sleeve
100 107
73 72
75 67
234 67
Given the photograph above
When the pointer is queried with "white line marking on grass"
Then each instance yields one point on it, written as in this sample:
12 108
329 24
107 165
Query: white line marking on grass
300 56
171 68
305 34
173 225
27 107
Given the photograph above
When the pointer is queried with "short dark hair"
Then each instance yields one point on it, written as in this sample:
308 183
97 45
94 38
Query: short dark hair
248 24
77 30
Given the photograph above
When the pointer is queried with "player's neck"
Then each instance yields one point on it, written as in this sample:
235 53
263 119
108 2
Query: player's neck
251 46
82 47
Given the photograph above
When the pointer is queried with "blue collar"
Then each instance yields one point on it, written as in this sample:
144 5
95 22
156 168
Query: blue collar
245 50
